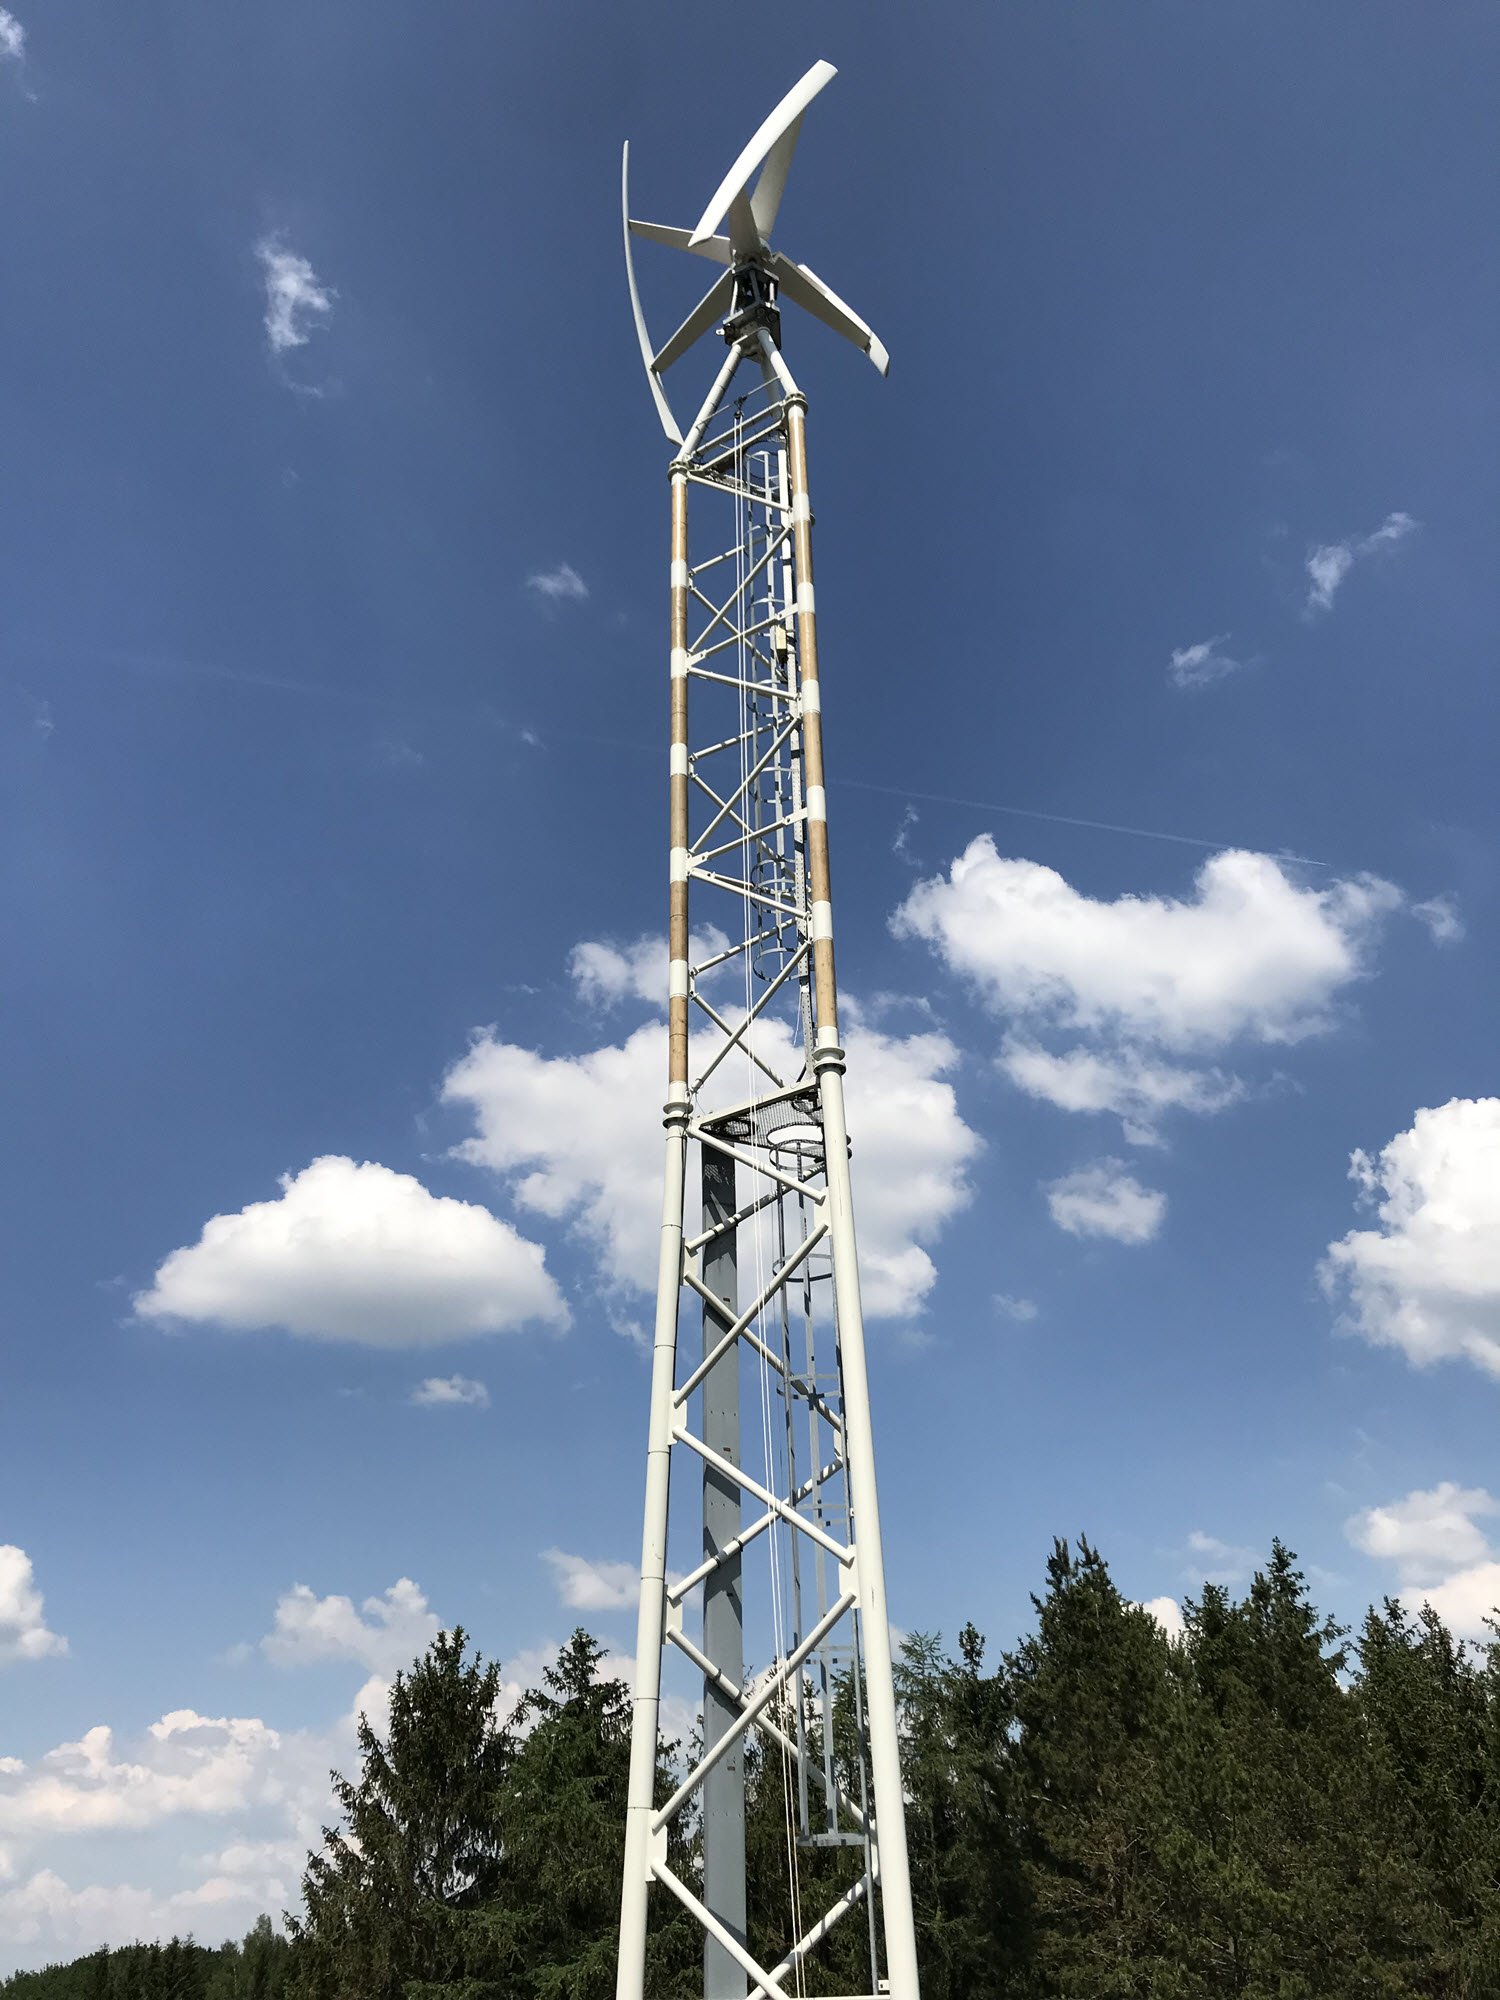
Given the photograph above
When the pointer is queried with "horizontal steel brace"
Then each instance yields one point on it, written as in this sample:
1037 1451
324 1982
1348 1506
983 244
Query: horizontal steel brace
758 836
814 1194
743 889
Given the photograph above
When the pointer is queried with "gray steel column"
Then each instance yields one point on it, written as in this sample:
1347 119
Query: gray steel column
723 1608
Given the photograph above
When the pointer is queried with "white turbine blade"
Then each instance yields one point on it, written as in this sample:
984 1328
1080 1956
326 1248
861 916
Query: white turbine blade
744 237
768 189
786 113
806 289
716 248
715 302
659 395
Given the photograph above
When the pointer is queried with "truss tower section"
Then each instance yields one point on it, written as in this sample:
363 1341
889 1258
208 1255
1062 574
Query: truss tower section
760 1465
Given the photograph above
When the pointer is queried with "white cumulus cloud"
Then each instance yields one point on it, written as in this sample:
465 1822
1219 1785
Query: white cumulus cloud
45 1920
262 1792
1328 565
295 298
1440 1554
23 1623
556 584
358 1253
1427 1280
1104 1200
446 1391
1428 1533
188 1763
578 1140
605 974
1199 666
1168 1614
385 1635
1144 987
594 1586
12 38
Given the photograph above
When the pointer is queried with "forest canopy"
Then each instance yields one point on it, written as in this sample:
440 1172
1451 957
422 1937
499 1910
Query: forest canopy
1263 1806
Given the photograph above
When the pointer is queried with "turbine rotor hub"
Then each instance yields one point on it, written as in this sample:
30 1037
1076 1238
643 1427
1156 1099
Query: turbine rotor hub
754 304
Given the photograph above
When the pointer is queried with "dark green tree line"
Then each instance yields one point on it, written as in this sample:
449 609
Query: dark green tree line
1259 1809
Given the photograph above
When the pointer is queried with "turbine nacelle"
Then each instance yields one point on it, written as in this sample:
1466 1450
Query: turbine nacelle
735 231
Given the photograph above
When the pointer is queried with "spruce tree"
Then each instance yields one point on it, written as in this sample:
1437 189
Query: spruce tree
551 1923
970 1899
387 1901
1093 1697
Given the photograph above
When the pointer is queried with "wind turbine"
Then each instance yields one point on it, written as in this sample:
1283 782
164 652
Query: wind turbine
789 1530
755 272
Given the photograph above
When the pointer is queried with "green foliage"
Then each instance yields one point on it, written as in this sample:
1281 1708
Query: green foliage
258 1969
390 1899
481 1859
970 1898
1253 1811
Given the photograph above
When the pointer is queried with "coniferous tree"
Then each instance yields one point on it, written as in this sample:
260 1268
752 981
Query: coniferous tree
1246 1813
386 1902
1093 1697
1288 1876
551 1926
969 1894
1427 1708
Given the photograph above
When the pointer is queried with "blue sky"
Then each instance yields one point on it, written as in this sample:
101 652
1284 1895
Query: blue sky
331 728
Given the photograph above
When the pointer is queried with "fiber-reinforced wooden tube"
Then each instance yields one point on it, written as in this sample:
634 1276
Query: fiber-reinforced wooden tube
677 917
819 881
639 1844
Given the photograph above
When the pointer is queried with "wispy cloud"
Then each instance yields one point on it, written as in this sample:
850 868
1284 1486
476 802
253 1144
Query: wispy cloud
12 38
1215 1561
446 1391
1199 666
1008 1307
1440 915
556 584
1104 1200
295 298
1328 565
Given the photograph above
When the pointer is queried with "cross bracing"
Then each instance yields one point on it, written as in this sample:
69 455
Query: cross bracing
755 1057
